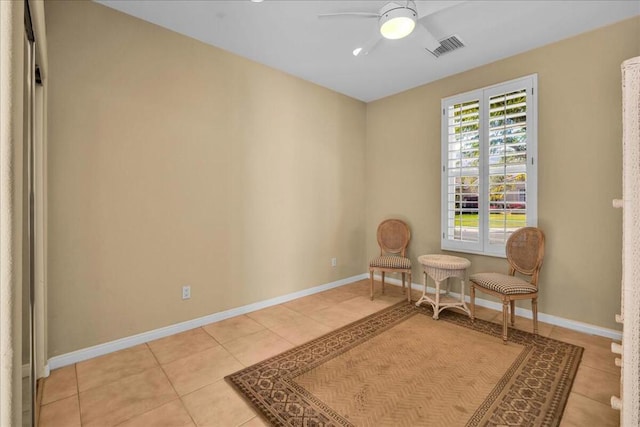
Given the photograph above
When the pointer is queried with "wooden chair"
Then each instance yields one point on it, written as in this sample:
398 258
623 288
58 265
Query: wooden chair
525 251
393 239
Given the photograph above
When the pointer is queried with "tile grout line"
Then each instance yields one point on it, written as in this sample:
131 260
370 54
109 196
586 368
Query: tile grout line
75 370
113 381
591 399
180 398
60 398
190 354
587 346
253 333
156 359
245 366
171 383
283 338
248 421
600 370
233 355
264 328
278 305
172 387
303 315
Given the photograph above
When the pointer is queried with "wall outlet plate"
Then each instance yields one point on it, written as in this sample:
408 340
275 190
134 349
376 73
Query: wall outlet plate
334 262
186 292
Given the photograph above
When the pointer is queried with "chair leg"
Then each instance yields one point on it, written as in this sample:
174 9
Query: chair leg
409 288
513 313
472 299
403 277
505 315
371 280
534 309
382 282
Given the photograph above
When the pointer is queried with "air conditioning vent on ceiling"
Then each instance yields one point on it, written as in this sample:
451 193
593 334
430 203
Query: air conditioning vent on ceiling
447 45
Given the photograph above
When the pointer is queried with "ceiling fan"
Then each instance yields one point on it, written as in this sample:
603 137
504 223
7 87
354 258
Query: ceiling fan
396 20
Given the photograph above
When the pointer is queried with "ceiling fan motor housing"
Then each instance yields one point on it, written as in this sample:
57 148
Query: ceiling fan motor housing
397 20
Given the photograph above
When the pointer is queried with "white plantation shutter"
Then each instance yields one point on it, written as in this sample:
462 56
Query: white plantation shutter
463 170
489 166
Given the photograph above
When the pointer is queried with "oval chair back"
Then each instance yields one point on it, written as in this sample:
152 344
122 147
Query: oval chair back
393 237
525 252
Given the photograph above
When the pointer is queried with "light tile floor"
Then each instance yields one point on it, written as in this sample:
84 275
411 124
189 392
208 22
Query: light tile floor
178 381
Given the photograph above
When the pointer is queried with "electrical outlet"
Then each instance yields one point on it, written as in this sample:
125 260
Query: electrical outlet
334 262
186 292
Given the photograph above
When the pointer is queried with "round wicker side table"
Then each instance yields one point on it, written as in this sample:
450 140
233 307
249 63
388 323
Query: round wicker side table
441 268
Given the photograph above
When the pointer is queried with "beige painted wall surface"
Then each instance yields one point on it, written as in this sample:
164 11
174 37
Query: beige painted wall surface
579 152
173 163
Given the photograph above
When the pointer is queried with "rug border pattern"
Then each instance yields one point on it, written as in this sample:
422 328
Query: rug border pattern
305 408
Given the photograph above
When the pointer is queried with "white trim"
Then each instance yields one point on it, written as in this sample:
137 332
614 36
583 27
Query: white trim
574 325
40 209
483 245
42 374
127 342
133 340
26 371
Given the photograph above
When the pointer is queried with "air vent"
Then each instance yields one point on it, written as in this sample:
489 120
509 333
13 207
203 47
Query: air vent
447 45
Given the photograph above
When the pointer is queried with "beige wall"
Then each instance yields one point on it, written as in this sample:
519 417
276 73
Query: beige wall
579 170
172 163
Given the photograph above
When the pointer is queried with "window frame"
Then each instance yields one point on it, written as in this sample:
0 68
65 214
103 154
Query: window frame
483 95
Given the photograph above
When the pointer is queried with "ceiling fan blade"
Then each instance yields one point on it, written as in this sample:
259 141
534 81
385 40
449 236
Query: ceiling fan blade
349 14
368 46
427 39
426 8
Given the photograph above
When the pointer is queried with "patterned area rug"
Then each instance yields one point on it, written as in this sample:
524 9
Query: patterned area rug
399 367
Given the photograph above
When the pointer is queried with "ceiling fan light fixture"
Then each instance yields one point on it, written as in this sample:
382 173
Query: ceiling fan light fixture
397 23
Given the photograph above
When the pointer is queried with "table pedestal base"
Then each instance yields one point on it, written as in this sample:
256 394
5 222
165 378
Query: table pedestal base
442 299
441 268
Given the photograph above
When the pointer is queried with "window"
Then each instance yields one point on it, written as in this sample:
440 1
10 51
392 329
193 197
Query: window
489 181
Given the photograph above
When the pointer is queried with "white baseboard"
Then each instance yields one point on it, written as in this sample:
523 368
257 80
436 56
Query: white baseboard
127 342
42 374
542 317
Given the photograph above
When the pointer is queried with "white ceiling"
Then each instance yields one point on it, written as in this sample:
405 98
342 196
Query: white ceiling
288 35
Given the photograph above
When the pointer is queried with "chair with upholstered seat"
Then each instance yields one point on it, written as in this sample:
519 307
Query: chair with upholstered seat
393 239
525 251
